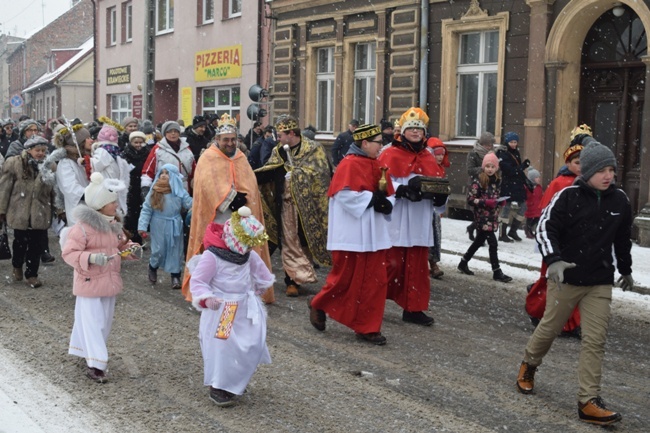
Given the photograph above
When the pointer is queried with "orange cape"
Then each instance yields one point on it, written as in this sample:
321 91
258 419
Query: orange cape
214 177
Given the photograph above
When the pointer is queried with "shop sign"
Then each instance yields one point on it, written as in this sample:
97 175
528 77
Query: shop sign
218 63
119 75
137 106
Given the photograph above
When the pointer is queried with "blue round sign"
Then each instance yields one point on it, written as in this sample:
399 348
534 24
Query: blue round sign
16 101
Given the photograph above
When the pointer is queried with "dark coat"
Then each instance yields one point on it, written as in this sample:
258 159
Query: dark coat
486 218
580 225
513 174
198 143
341 146
136 158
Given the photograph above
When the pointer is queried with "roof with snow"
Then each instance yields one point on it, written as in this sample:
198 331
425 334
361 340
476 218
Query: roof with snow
49 77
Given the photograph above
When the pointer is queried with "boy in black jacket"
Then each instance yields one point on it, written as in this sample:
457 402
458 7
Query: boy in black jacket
575 234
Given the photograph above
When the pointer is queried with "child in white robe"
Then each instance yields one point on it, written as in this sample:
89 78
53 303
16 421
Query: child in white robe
226 282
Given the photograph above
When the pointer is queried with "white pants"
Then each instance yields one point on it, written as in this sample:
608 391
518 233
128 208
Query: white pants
93 318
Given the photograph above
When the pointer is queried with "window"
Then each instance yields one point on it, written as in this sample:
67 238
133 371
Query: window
365 65
208 11
221 100
120 106
164 16
111 25
234 8
325 89
477 83
128 20
472 75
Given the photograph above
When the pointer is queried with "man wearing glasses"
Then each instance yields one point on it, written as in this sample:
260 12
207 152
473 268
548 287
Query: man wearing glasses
26 130
7 135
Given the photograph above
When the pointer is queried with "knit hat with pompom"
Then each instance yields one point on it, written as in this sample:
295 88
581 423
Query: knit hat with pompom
101 192
108 134
243 231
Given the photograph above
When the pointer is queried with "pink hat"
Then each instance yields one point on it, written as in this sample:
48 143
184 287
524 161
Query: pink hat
108 134
490 158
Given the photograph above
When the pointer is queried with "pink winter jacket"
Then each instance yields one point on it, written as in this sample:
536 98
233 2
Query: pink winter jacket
93 234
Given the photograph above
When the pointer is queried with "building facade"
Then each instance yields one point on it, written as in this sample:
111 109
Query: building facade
536 67
161 61
32 58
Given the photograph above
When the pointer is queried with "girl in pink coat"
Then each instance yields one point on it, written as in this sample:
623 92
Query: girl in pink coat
92 247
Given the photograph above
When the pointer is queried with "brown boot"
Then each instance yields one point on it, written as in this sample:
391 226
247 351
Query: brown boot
34 282
435 271
292 291
316 317
526 378
595 412
18 274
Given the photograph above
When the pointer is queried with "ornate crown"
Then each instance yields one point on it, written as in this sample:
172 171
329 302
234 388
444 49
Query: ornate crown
364 132
107 120
286 123
582 129
227 124
414 117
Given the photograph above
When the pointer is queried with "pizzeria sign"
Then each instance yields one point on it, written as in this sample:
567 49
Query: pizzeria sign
218 63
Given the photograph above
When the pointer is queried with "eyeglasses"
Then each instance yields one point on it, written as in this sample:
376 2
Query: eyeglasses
32 130
377 141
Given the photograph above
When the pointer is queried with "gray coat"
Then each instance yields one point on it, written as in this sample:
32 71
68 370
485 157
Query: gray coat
24 198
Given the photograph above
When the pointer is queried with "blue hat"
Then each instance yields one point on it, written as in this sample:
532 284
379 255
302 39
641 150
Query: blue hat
510 136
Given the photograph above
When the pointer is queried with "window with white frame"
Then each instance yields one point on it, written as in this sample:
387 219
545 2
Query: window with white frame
234 8
477 83
365 72
111 24
208 11
164 16
120 106
325 89
220 100
129 21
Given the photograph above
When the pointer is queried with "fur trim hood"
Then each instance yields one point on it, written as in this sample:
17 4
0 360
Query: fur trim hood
84 214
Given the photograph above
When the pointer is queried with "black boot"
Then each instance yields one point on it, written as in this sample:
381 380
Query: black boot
503 237
470 231
498 275
513 230
462 266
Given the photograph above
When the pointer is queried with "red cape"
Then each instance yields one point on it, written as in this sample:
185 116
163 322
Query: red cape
358 173
401 162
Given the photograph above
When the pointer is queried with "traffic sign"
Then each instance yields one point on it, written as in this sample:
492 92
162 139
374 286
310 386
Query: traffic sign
16 101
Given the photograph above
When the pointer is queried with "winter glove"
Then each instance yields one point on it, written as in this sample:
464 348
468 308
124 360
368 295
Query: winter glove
415 183
63 217
556 271
626 282
238 201
490 203
381 203
405 191
212 303
144 191
579 138
99 259
525 164
440 199
143 234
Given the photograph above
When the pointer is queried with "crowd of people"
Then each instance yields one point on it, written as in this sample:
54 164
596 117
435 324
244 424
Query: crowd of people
213 206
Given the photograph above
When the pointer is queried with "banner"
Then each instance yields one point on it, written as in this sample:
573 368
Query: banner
186 105
218 63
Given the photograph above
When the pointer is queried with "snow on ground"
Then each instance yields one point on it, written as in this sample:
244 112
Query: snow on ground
521 261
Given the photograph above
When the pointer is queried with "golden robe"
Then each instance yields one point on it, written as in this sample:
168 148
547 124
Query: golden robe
310 180
214 178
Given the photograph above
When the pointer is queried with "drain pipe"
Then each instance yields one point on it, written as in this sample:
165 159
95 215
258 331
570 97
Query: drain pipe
424 54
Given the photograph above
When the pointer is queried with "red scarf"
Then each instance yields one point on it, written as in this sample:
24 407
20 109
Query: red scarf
213 236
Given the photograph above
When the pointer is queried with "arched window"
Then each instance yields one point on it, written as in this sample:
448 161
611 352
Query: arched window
615 39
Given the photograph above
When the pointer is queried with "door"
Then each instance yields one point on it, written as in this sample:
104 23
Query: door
612 92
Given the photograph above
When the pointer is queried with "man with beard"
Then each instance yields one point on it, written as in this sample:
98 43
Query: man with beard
411 227
223 182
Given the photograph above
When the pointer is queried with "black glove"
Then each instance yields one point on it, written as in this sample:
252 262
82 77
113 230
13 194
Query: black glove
238 201
144 191
525 164
415 183
380 203
439 199
405 191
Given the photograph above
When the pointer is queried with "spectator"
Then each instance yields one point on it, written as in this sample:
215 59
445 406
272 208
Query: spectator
343 142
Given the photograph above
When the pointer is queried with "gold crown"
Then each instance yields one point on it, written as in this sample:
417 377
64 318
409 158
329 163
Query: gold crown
109 121
396 124
227 124
286 123
364 132
414 117
582 129
65 131
572 150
